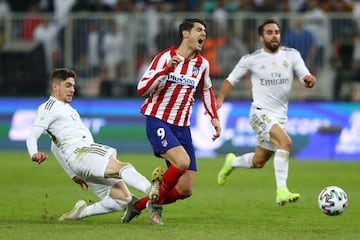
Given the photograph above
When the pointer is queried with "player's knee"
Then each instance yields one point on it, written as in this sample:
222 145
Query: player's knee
286 144
124 165
183 164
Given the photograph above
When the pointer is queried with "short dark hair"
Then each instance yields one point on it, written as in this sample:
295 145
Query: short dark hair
188 24
267 21
62 74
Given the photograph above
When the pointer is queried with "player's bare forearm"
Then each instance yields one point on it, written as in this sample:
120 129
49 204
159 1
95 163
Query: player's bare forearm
224 91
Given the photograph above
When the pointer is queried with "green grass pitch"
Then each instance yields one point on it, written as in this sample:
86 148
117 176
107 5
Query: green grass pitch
34 196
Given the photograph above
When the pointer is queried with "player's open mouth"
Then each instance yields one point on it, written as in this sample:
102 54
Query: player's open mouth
201 41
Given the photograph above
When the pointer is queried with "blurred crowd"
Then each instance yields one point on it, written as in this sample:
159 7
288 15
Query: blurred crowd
176 6
102 53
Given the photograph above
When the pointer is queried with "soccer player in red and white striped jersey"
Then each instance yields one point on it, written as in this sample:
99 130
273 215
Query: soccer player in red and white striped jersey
170 83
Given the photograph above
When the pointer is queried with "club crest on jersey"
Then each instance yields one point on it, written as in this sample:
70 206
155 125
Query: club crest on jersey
285 64
195 71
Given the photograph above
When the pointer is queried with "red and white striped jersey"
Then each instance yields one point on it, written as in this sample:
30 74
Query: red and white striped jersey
171 93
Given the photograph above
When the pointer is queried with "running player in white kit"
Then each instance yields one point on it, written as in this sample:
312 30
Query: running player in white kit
86 162
273 69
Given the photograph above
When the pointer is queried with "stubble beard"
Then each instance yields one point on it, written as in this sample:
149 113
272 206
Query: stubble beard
272 47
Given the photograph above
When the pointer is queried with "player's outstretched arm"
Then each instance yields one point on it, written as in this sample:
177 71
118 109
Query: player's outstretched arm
32 147
225 88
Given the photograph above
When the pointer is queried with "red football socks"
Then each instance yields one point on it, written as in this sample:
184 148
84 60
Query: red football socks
167 190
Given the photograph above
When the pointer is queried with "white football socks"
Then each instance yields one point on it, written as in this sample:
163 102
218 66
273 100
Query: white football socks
243 161
281 167
134 179
106 205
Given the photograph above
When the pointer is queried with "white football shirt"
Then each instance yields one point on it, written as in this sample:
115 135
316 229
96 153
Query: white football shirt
64 126
271 77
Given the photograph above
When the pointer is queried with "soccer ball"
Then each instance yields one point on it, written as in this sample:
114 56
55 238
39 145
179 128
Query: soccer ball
332 200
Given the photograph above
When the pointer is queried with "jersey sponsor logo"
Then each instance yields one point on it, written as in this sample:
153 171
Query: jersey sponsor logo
276 79
180 79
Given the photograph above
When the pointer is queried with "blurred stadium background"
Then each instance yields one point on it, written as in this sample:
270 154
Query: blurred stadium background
109 42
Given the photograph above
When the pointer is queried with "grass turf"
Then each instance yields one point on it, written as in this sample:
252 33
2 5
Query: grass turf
34 196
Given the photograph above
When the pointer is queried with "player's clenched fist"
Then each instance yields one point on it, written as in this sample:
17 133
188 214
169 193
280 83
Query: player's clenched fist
39 157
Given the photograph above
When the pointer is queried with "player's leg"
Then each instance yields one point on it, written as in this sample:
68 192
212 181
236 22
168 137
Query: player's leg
100 161
183 188
261 123
271 136
175 185
128 173
163 139
170 178
281 165
255 159
114 197
179 160
131 211
167 142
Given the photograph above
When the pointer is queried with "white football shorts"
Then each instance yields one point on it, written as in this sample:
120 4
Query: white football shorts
102 187
90 162
262 121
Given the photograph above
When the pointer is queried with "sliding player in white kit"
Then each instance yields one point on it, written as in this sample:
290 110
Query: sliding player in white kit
273 69
86 162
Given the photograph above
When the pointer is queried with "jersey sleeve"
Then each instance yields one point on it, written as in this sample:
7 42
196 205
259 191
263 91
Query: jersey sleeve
31 140
238 72
41 123
153 75
207 94
300 68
